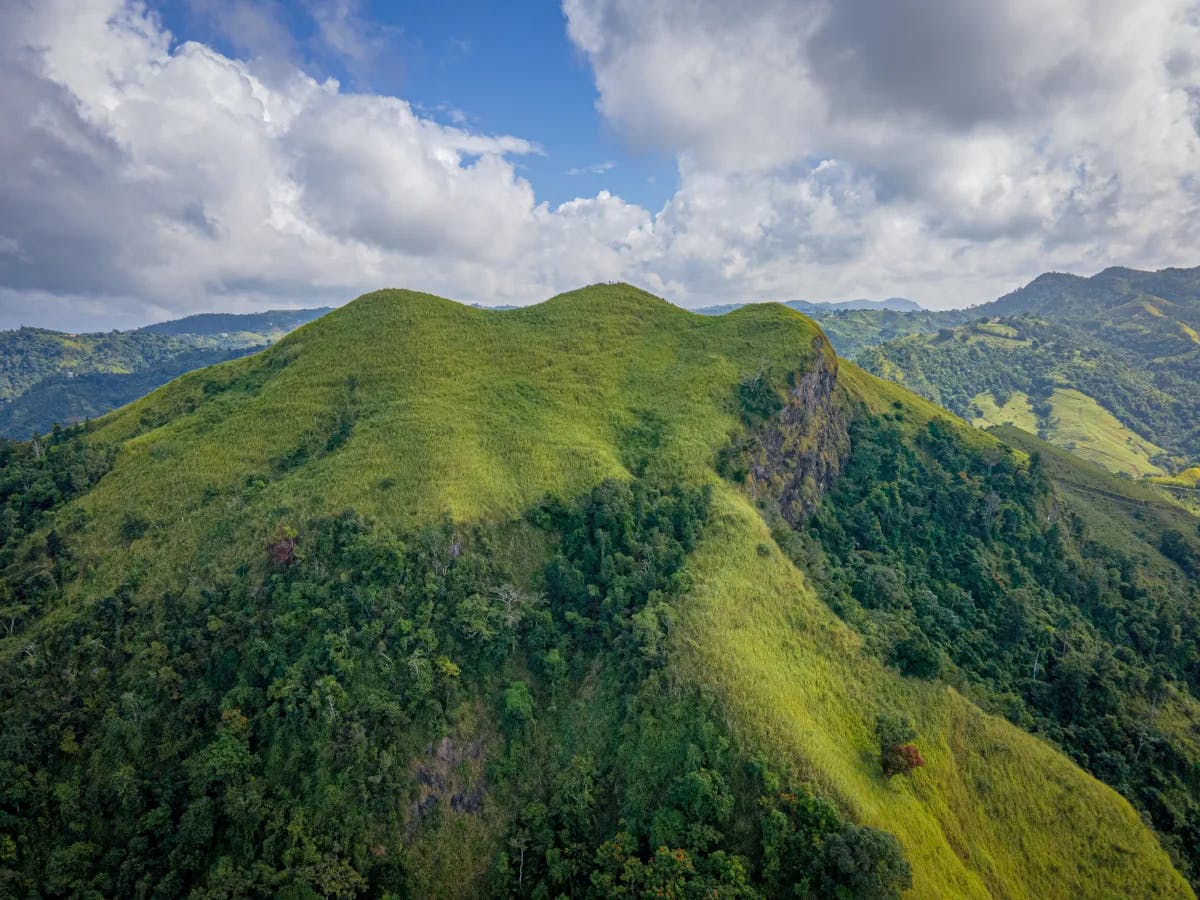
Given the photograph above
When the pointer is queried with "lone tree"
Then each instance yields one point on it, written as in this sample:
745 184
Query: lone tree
864 862
897 755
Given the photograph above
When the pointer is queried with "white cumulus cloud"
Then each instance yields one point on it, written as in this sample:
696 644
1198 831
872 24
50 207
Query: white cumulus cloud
943 149
926 148
144 179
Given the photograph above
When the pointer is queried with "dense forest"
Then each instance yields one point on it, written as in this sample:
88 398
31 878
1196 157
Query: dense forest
263 733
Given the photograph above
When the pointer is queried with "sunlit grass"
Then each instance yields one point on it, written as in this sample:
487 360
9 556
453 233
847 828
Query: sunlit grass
1078 423
1081 424
480 413
994 813
1017 410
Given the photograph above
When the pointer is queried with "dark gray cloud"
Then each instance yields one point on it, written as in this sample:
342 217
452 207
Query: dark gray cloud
61 200
959 64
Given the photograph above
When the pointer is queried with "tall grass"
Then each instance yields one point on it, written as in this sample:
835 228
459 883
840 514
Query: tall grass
405 406
995 812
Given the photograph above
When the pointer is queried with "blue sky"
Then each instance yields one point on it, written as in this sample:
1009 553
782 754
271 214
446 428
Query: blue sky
499 68
167 157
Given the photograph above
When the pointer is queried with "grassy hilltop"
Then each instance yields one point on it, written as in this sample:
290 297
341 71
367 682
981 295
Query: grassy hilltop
230 713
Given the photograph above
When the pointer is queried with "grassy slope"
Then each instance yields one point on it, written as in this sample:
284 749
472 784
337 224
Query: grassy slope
991 813
481 413
1078 423
1186 478
1097 435
458 409
1184 487
1016 411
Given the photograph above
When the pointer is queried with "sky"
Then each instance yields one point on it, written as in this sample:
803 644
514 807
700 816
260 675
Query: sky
165 158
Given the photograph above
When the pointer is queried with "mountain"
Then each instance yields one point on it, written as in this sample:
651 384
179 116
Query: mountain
810 307
27 355
853 331
49 377
1108 366
68 397
894 304
588 598
273 323
1066 296
855 325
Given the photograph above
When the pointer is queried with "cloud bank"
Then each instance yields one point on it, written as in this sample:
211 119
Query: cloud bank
924 147
867 147
140 180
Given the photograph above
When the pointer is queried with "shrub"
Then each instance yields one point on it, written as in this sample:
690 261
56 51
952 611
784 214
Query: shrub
1174 546
133 527
900 759
897 755
282 549
517 709
759 399
892 729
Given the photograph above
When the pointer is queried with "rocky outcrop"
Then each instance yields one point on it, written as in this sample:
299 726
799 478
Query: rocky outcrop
450 773
795 455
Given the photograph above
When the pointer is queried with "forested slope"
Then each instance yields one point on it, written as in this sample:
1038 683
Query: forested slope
52 377
428 599
1107 366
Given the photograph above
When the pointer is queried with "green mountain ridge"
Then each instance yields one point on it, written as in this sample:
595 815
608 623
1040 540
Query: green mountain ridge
1109 365
810 307
1065 295
52 377
433 600
269 322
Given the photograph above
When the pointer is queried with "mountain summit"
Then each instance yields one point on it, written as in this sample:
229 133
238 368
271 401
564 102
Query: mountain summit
589 597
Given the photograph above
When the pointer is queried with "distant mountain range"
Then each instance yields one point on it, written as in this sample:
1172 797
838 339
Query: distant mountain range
1107 366
895 304
1066 296
271 324
49 377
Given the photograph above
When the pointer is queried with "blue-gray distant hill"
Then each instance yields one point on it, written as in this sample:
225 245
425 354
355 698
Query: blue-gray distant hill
273 322
808 307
